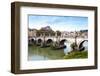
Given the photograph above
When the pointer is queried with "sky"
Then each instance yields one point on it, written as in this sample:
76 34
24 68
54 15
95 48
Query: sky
61 23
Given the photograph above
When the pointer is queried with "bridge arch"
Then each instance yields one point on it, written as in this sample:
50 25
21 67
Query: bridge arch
81 47
32 40
49 42
29 41
62 41
39 41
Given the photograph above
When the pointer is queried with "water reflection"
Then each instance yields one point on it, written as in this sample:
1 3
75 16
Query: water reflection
38 53
68 48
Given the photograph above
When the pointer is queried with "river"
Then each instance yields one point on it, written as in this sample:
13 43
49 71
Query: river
37 53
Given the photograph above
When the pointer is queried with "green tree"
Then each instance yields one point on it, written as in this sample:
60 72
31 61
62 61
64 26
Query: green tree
58 33
74 47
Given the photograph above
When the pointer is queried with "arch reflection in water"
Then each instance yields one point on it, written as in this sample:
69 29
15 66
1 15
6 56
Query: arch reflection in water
68 47
38 53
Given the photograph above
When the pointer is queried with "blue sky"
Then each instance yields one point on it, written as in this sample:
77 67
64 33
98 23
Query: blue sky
61 23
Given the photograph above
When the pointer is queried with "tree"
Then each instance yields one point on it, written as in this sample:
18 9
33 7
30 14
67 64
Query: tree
58 33
74 47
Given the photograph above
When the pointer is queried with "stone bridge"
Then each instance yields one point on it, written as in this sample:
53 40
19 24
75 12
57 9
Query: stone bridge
53 39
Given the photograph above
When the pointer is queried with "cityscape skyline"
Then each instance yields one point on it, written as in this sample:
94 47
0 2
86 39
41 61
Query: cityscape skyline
61 23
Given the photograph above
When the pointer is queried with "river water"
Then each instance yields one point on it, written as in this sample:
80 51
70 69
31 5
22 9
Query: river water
37 53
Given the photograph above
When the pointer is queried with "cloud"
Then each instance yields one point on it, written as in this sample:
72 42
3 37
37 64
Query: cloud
62 23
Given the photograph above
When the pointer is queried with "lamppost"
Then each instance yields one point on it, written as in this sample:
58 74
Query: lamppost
43 39
35 32
76 47
76 37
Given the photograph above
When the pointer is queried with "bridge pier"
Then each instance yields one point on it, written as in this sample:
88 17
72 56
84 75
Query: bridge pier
54 40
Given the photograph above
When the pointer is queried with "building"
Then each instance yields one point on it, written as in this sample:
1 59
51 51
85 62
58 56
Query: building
32 33
47 31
